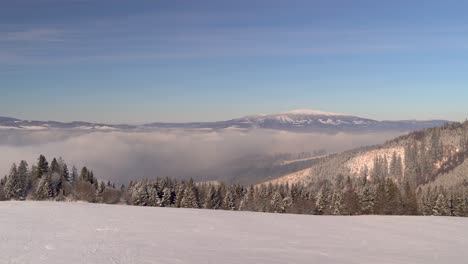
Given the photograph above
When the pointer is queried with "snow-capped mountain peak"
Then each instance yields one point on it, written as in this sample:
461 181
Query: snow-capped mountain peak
312 112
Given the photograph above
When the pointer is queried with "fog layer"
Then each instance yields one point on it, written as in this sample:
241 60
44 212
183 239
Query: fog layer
123 156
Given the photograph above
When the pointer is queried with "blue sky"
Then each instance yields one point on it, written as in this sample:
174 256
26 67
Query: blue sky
142 61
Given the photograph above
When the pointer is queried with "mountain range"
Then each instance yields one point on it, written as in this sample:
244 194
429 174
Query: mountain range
294 121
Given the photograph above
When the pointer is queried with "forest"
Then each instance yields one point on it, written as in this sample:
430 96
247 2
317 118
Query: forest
399 186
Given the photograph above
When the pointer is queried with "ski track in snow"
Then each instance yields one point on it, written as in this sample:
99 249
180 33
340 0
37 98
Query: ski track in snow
64 233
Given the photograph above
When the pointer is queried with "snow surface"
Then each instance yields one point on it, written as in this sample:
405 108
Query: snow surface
64 233
313 112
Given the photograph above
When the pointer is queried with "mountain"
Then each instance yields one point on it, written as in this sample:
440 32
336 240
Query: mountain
294 121
309 121
430 157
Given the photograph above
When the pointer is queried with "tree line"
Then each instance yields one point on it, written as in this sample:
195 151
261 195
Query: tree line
345 195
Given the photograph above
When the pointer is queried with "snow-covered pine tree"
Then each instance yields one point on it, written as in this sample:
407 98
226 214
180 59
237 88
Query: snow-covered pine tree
44 190
337 202
42 166
277 202
54 167
167 198
367 200
12 190
190 196
322 201
65 173
73 175
441 206
229 200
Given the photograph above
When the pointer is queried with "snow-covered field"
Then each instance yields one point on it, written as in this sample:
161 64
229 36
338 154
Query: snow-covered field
54 232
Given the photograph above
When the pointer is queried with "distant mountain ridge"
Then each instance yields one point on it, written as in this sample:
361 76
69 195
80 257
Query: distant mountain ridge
303 120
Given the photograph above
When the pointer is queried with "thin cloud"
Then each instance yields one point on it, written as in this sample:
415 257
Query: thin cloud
32 35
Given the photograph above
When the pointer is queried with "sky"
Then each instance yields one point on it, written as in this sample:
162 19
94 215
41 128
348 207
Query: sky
144 61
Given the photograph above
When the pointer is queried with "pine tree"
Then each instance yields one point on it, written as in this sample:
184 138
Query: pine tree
44 190
367 200
54 166
322 201
399 168
190 196
212 199
441 206
229 200
73 175
459 206
393 164
410 203
12 189
24 179
277 202
247 201
42 166
65 173
167 198
337 203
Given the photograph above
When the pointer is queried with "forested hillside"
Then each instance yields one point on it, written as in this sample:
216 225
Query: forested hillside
424 172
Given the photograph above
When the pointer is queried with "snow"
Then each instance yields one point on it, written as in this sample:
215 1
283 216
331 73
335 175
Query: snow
33 127
7 127
68 233
366 159
105 128
332 122
313 112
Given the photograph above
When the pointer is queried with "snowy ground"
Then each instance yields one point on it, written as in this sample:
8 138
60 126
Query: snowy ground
64 233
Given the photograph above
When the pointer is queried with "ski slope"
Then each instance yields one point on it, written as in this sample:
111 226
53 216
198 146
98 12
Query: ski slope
63 233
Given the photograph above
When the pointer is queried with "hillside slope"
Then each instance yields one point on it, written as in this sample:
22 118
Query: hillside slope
421 156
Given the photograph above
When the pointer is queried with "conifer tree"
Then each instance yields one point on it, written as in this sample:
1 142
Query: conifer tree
42 166
44 190
167 198
12 185
190 196
441 206
54 166
277 202
73 175
367 200
410 203
337 203
229 200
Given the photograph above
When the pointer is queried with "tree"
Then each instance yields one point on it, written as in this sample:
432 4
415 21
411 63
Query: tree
73 176
12 185
458 205
17 182
55 167
337 203
65 173
392 198
367 200
190 196
322 201
277 202
167 198
229 199
42 166
248 199
410 202
212 198
44 190
441 206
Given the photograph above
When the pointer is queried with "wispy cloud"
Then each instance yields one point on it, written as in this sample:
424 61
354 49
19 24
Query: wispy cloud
32 35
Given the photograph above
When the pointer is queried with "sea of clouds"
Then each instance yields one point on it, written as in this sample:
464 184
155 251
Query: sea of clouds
122 156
